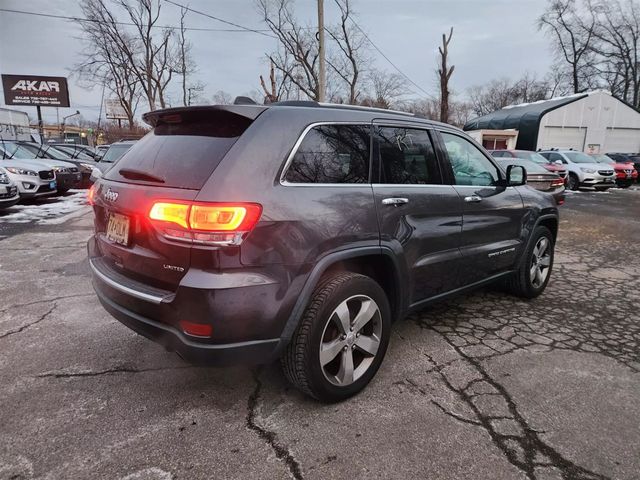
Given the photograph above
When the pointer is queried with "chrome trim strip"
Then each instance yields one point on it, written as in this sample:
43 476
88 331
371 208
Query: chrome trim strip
129 291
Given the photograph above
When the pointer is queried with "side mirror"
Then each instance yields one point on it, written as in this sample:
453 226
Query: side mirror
516 175
558 162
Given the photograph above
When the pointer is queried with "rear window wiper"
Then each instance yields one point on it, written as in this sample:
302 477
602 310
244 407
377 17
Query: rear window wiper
132 174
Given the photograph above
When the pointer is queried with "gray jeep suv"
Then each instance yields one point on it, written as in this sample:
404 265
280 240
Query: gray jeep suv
300 231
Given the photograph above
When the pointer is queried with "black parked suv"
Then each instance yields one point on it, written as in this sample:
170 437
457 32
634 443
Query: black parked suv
246 233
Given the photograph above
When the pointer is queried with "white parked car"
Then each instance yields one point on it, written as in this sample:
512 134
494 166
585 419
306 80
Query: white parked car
584 170
32 178
67 174
9 195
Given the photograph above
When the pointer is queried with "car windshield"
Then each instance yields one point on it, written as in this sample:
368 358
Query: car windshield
15 150
603 159
531 167
72 152
115 152
579 157
531 156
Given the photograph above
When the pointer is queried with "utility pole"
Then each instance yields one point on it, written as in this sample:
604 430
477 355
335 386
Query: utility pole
322 80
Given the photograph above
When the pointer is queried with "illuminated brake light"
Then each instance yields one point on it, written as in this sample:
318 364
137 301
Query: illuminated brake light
226 218
170 212
217 224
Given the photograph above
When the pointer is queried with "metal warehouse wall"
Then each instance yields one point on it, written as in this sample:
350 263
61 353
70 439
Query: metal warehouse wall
597 123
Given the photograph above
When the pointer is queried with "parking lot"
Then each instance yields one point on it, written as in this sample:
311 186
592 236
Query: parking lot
482 386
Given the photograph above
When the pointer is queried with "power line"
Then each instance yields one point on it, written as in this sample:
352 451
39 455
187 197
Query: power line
91 20
208 15
388 60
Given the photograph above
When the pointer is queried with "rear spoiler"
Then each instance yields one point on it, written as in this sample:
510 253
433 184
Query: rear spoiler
250 112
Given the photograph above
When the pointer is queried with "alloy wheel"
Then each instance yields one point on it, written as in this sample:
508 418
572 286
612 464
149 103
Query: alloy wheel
540 262
350 340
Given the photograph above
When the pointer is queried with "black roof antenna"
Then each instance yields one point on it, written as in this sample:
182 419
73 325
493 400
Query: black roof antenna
244 101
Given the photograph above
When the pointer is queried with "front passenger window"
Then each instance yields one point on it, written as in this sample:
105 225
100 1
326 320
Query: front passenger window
470 166
406 156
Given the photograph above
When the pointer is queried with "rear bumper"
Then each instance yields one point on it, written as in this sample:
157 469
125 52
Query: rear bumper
246 353
245 309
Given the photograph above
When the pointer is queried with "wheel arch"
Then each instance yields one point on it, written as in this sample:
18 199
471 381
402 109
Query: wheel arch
378 263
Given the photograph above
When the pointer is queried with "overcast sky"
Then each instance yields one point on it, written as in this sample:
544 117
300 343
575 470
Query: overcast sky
492 38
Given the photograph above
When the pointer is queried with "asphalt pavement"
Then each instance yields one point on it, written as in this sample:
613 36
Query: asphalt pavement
484 386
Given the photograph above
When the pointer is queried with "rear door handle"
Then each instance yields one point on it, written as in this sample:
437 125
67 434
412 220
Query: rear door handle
473 199
395 201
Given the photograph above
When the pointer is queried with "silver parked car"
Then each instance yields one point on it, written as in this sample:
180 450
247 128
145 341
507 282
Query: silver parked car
584 171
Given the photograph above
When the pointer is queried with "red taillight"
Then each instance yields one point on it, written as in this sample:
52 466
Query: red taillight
91 194
207 223
557 182
196 329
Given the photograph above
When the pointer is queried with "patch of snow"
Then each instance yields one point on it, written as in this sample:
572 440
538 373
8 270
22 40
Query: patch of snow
45 211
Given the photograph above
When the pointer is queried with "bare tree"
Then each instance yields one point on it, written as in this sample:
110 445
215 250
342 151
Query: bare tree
222 98
499 93
104 63
573 36
297 56
617 43
272 93
151 57
387 90
444 76
347 63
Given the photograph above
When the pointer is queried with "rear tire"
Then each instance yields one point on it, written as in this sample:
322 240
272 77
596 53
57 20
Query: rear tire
536 264
336 351
574 182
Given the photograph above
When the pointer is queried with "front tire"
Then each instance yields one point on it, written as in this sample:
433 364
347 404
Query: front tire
341 340
534 271
574 182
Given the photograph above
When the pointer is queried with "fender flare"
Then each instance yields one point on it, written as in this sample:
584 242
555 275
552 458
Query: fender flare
316 274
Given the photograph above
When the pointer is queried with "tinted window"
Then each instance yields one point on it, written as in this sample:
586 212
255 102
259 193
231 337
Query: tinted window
406 156
470 166
183 150
332 154
500 154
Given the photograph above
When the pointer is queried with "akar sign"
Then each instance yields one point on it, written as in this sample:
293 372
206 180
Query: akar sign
35 91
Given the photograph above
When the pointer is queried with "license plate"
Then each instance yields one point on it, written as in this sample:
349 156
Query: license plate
118 229
52 185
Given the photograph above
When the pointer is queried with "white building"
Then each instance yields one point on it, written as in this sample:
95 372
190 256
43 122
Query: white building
594 122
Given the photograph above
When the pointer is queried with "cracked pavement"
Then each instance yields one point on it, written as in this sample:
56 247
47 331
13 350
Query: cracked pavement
480 386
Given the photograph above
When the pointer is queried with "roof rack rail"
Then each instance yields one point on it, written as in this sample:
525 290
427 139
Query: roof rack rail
296 103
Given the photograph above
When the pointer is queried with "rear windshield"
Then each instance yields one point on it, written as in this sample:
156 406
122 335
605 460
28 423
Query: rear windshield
183 153
532 156
115 152
531 167
578 157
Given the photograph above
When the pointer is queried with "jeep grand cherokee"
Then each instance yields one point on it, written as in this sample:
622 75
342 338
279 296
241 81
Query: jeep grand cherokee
301 231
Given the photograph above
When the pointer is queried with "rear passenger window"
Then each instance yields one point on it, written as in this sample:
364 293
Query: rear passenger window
332 154
406 156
